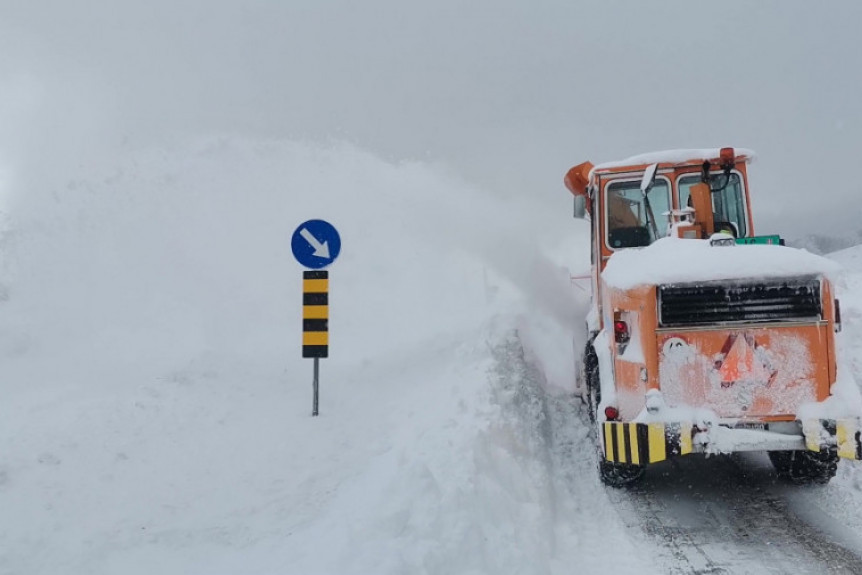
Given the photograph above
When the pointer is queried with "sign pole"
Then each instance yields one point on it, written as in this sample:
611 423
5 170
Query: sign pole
315 245
316 386
315 324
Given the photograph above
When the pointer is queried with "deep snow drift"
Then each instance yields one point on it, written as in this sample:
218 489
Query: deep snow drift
156 411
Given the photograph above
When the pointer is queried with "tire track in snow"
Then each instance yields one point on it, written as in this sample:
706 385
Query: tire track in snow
722 515
584 538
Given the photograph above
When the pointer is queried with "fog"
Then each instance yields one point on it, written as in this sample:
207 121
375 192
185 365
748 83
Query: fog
508 94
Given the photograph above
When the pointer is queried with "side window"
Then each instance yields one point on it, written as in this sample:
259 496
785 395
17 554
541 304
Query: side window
728 203
629 221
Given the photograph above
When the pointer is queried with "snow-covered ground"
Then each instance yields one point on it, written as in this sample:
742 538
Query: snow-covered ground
155 410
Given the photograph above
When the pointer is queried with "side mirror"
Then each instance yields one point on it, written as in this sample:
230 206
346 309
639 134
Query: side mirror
649 178
580 206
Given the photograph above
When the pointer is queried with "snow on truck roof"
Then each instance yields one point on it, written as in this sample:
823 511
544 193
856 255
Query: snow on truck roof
677 260
684 156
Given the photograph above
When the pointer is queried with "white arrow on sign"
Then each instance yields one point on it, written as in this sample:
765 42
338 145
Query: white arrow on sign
321 250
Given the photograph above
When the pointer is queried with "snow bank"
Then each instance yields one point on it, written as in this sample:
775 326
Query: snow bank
850 258
156 411
676 260
838 509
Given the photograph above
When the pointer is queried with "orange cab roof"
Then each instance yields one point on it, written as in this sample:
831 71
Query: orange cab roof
671 159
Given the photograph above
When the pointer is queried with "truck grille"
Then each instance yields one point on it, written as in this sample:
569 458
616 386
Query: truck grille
730 302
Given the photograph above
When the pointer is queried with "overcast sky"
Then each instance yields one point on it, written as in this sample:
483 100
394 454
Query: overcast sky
507 93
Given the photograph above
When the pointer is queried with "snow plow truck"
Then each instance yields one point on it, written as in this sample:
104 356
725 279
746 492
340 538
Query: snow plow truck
703 337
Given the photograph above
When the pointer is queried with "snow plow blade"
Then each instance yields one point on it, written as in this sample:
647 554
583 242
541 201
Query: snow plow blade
643 443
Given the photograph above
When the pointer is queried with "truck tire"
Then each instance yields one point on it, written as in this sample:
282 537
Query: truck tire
612 474
619 474
592 381
805 467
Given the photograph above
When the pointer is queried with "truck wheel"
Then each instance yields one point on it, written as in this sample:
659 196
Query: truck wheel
612 474
592 381
805 467
620 474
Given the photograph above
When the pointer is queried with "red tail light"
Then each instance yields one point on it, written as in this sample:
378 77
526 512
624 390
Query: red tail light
621 331
611 413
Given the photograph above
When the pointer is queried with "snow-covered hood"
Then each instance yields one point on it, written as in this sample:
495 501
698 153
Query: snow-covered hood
676 260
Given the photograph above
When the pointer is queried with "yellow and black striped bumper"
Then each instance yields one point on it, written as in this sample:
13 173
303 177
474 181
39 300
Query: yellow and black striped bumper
643 443
843 434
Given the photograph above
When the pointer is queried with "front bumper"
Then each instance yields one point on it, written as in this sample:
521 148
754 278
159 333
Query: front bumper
644 443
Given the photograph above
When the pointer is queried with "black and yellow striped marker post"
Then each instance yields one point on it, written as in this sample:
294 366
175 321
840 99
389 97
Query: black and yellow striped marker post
315 323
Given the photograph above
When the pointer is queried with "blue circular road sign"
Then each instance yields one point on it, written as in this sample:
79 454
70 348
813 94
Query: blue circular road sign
315 244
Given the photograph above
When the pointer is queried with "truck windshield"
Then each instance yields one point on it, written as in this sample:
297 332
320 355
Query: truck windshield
728 204
628 220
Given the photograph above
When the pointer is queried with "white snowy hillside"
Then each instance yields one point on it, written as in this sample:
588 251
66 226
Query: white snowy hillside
850 258
155 412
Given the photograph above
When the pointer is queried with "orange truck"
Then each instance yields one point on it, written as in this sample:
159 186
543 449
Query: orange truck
703 337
